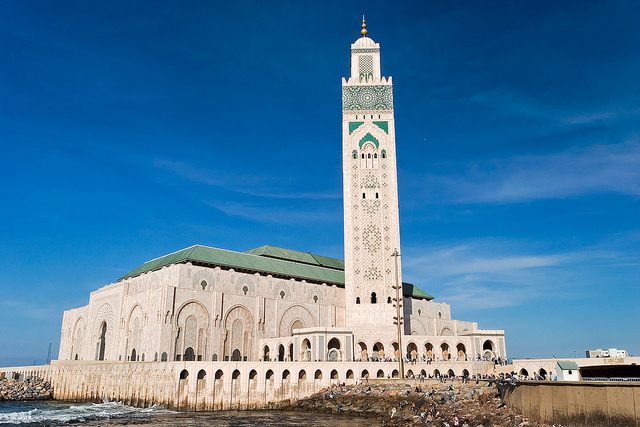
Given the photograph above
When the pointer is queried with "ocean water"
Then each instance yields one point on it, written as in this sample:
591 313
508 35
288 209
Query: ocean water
52 413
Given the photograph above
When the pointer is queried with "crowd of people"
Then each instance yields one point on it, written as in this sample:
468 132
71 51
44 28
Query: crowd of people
413 358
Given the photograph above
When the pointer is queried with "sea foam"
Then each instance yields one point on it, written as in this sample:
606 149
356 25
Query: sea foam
61 414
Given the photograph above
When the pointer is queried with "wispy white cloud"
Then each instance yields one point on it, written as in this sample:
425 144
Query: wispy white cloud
251 185
487 274
26 309
589 118
531 106
611 168
277 215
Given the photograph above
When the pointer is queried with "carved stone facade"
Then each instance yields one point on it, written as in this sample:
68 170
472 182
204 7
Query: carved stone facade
195 312
371 221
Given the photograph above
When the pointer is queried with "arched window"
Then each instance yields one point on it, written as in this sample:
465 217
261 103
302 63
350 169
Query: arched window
369 156
354 154
189 355
374 298
280 353
203 285
357 300
364 195
333 343
384 154
102 340
164 357
315 299
376 195
388 300
306 350
462 351
245 289
282 294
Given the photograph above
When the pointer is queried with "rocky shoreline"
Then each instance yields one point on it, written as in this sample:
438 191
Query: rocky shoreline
430 403
28 389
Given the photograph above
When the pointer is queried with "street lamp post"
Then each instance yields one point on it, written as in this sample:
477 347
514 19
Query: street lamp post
397 320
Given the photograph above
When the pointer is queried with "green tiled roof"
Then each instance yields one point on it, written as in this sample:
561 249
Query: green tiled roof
296 256
268 260
409 289
566 365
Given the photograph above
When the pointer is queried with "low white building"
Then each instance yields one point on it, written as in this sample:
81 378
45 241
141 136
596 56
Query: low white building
567 371
609 352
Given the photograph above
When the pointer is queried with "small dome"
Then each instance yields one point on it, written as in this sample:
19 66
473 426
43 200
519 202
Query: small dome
364 42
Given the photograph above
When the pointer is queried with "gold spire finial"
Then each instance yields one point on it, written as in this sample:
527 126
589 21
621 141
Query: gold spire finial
364 27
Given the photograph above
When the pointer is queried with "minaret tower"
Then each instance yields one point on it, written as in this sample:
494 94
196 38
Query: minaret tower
371 224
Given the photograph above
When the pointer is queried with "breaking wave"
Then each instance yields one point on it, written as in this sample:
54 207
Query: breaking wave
59 414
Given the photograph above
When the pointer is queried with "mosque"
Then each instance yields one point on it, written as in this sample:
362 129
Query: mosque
272 304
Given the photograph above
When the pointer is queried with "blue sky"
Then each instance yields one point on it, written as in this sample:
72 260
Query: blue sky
132 129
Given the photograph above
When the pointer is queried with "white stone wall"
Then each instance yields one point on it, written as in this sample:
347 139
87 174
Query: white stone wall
184 305
217 385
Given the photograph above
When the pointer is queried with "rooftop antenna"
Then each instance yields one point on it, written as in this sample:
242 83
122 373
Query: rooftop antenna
49 355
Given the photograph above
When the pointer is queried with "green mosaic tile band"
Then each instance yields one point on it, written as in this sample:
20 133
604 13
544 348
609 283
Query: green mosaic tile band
384 125
369 138
366 50
353 126
367 98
